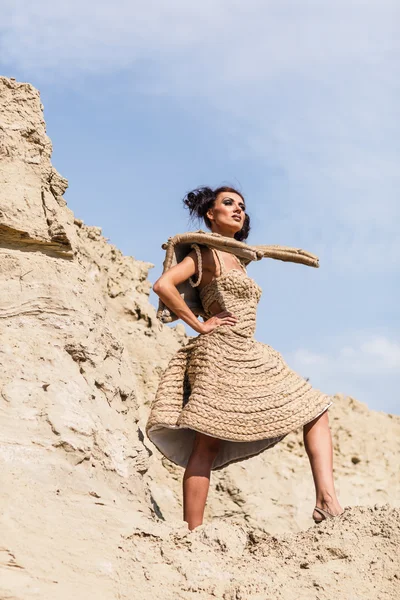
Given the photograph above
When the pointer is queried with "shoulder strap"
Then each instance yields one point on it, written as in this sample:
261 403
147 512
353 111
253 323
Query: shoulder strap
217 257
217 254
241 265
222 262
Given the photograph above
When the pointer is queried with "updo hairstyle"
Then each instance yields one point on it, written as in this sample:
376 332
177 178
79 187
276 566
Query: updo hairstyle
201 199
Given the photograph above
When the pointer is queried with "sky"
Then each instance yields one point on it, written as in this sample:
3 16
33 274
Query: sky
295 104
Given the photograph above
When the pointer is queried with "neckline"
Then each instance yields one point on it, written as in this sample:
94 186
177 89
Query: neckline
222 264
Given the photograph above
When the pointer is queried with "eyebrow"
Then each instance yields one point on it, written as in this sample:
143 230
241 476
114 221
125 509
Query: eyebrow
230 198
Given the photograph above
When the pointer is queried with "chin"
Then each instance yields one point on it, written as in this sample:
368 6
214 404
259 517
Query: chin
233 228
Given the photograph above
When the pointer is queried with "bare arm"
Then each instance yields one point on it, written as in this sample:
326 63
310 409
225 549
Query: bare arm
165 288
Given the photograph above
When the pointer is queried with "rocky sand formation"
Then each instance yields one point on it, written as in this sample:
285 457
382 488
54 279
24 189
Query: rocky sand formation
90 509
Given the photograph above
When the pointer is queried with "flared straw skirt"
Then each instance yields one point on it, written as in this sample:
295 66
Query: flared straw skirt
233 388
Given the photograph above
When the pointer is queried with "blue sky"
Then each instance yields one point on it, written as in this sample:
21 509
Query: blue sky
296 104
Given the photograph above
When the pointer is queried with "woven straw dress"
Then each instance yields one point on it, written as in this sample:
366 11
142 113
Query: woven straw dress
227 384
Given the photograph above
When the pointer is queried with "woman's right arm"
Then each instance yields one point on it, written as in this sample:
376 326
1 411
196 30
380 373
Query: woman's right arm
165 288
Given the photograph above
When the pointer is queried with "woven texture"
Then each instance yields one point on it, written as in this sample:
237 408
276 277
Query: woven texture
178 246
228 385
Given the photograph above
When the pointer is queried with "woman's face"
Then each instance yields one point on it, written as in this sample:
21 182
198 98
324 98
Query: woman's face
228 213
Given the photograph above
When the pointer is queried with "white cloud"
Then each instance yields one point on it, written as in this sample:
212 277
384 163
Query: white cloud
377 354
255 41
368 370
384 354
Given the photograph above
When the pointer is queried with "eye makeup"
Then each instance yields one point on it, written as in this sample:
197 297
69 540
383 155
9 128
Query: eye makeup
243 206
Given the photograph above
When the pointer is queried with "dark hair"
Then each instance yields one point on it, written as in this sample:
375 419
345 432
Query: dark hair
200 200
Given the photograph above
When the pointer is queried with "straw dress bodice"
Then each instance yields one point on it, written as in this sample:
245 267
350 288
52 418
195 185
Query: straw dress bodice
235 291
227 384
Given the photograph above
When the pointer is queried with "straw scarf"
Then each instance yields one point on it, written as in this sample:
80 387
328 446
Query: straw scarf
179 245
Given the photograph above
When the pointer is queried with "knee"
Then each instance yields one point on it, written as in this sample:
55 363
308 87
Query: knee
321 421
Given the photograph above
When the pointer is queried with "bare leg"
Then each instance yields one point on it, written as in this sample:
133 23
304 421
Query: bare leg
318 444
196 480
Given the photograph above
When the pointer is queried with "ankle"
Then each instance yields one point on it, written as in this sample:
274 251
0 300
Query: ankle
326 499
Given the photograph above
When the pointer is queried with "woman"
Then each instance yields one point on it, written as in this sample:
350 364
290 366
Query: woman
225 396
